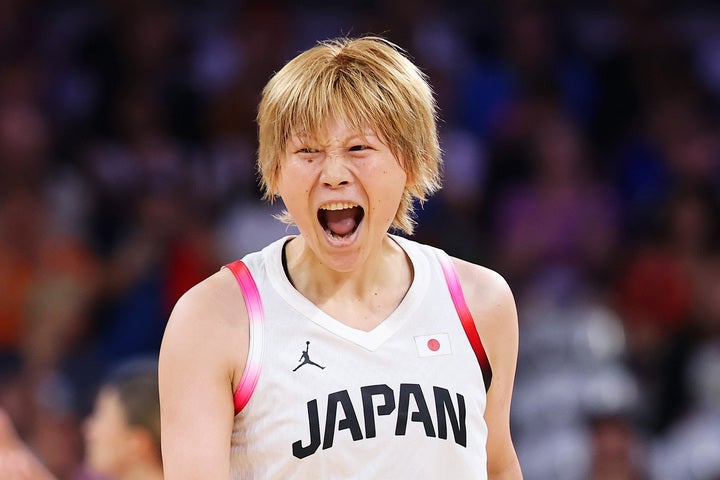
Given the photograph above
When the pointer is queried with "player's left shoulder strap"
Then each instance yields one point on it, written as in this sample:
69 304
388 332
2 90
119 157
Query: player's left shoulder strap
256 315
466 318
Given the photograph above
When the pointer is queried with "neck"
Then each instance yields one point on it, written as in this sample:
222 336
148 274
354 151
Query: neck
385 266
361 298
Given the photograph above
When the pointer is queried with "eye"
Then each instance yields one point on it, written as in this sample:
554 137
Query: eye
307 150
358 148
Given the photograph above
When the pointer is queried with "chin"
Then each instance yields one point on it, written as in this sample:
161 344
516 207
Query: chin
344 258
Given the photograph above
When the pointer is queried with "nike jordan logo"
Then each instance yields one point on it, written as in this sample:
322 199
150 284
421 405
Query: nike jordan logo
305 358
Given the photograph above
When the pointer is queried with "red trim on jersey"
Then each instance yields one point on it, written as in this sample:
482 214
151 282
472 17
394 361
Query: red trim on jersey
256 314
466 319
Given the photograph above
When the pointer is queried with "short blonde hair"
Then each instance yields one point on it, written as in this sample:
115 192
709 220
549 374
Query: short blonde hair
365 82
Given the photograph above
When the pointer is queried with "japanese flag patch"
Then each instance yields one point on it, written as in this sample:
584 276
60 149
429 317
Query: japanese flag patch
433 345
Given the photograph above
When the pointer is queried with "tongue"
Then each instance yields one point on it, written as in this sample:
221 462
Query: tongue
341 222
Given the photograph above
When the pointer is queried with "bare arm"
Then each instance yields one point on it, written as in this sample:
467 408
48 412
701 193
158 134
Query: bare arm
201 359
493 307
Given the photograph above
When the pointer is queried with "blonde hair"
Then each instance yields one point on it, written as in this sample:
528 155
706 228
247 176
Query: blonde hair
365 82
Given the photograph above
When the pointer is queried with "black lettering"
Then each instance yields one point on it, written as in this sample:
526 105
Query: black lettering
384 409
313 422
445 409
422 415
443 405
350 421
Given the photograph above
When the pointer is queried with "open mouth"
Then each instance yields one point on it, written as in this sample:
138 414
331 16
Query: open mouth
340 219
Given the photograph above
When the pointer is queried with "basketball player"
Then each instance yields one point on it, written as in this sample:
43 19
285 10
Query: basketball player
413 356
122 435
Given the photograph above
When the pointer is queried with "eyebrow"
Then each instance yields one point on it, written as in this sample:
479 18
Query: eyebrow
303 137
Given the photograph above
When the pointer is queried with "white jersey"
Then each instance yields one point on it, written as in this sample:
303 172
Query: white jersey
323 400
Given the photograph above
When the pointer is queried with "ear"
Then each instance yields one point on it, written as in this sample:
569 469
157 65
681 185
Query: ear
411 177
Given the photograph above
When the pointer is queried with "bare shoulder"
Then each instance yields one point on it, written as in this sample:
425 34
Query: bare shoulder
208 325
485 289
215 304
491 303
202 357
493 308
216 300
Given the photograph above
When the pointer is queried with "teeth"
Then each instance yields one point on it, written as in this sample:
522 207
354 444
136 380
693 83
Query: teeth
338 206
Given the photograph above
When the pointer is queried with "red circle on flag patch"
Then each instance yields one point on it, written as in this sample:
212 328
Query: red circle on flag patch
433 345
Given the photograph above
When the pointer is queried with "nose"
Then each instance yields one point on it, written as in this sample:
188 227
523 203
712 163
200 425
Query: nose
335 172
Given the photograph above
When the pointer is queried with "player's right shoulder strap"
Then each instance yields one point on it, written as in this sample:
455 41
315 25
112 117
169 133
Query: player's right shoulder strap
466 318
256 315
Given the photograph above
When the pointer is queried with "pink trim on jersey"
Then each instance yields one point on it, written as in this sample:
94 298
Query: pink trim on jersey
254 306
466 318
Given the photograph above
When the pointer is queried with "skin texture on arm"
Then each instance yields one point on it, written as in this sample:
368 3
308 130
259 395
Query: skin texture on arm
493 308
201 361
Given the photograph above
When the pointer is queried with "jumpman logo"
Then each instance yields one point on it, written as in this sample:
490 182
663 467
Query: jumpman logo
305 358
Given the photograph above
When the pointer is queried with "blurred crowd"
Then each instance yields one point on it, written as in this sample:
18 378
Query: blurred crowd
582 162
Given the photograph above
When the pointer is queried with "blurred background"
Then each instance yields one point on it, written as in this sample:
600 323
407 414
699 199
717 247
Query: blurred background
582 162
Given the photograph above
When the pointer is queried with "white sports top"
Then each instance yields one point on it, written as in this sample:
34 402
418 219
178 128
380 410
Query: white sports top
321 400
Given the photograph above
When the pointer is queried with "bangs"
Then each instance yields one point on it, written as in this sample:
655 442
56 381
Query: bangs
365 83
343 94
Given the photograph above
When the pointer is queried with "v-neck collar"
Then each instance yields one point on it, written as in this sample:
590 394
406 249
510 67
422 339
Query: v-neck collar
370 340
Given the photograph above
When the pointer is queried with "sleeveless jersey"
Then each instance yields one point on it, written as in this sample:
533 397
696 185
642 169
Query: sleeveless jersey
321 400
